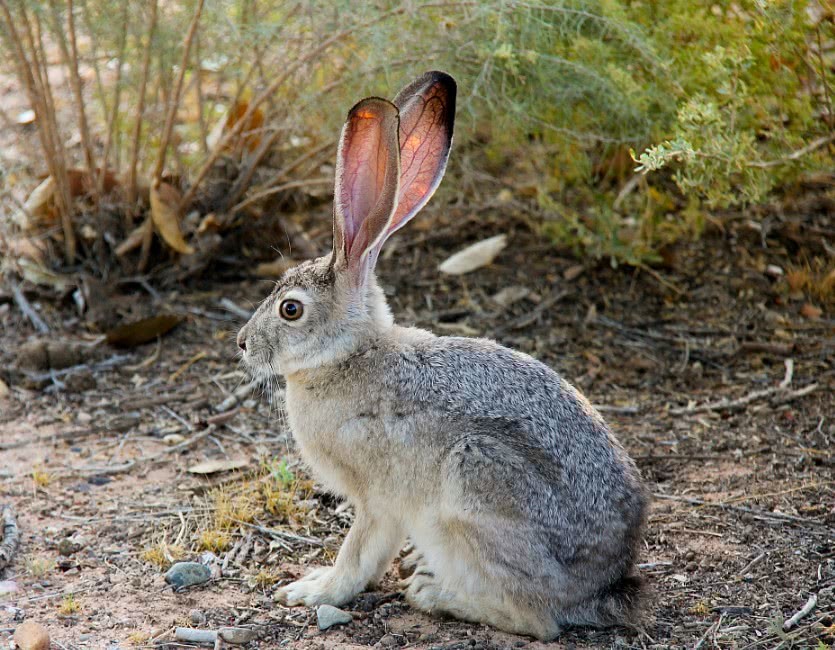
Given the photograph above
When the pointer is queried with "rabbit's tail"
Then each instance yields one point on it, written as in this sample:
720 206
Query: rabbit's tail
619 604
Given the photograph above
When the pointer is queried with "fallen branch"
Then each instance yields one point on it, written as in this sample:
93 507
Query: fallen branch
236 397
780 394
11 537
802 613
232 635
795 155
130 464
757 514
108 363
117 425
280 534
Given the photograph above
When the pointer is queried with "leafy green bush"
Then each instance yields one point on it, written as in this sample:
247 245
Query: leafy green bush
727 99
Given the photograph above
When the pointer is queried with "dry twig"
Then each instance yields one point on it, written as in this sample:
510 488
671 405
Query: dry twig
802 613
757 514
28 310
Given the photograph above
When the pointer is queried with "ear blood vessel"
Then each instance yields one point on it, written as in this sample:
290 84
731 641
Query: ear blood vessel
523 510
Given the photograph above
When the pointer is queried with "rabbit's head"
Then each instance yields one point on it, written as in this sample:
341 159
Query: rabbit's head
390 160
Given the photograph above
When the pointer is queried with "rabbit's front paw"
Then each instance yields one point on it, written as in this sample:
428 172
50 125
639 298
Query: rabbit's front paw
323 586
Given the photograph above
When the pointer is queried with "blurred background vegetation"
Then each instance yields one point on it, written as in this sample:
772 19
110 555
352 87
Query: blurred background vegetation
159 130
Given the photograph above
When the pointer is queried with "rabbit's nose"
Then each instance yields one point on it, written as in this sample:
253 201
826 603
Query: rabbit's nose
242 339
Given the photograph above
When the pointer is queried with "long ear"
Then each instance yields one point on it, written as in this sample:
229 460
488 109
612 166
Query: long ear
427 116
367 183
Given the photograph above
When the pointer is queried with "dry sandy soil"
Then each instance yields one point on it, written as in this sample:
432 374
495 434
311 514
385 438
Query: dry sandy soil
689 364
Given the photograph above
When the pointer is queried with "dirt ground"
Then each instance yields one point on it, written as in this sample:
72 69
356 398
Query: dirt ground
717 379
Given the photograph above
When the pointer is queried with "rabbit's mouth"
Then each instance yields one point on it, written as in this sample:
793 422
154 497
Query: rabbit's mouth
259 368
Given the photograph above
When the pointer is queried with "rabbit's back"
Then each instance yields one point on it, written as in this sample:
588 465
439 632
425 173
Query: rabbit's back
510 409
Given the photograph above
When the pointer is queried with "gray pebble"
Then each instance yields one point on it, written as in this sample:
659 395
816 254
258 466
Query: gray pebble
186 574
327 616
70 545
236 635
197 617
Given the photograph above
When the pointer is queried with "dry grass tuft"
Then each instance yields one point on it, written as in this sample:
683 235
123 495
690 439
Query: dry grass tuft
214 540
69 606
163 555
231 509
38 567
40 478
815 280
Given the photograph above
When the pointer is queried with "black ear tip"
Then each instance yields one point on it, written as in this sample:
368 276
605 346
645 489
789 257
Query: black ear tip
441 77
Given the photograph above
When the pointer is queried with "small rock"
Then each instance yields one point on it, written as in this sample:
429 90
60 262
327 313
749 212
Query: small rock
7 587
31 636
388 641
197 617
186 574
773 271
236 635
70 545
327 616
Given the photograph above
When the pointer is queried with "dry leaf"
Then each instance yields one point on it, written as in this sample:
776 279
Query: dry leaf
165 202
209 222
36 203
231 118
142 331
475 256
510 295
573 272
18 247
214 466
37 274
808 310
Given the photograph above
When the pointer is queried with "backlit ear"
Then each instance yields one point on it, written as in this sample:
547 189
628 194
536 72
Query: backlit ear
427 116
367 183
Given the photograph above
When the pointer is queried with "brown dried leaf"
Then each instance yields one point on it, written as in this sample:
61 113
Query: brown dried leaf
250 130
573 272
808 310
165 202
35 205
142 331
209 222
18 247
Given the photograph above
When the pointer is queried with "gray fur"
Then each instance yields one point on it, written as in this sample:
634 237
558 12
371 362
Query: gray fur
524 510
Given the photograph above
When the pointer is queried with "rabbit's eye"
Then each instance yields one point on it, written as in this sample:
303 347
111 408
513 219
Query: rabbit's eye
291 309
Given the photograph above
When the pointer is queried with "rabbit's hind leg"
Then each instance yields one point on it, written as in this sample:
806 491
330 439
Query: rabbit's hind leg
453 585
433 596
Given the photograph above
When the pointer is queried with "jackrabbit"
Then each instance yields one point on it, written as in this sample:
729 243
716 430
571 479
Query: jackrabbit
524 511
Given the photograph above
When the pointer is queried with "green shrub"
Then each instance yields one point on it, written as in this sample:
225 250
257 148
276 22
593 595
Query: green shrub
554 94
